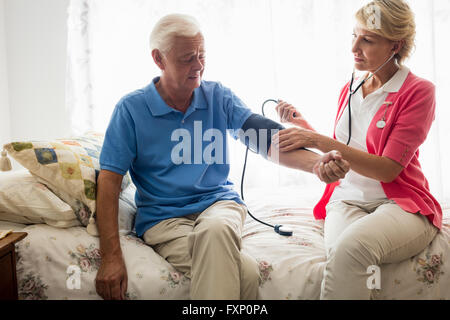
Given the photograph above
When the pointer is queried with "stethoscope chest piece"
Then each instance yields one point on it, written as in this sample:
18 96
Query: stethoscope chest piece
381 124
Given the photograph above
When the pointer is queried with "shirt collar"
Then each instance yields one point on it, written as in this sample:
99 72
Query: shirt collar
158 107
394 84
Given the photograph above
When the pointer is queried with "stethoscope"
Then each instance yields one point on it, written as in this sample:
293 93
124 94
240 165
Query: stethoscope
278 228
283 230
381 123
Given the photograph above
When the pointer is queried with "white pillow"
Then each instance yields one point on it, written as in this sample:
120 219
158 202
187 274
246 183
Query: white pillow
127 206
24 200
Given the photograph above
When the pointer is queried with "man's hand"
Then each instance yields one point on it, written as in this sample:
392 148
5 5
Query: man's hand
331 167
112 280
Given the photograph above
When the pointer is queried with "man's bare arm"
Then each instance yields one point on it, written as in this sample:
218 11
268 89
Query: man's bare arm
108 191
111 280
300 159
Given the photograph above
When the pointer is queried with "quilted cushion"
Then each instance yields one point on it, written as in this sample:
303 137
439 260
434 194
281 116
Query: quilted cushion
68 167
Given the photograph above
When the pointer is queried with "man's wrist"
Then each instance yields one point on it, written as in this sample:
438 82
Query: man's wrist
110 248
310 160
111 254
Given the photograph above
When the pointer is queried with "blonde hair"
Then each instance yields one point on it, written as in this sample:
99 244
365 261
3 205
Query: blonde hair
171 26
395 23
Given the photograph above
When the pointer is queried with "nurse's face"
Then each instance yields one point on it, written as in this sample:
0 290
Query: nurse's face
370 50
185 63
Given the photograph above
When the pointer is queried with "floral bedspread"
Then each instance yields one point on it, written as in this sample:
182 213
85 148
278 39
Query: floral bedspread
51 260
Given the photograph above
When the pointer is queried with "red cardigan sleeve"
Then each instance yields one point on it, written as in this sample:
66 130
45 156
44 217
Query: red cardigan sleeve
413 123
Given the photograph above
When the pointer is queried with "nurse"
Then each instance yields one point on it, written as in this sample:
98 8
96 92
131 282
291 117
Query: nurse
382 211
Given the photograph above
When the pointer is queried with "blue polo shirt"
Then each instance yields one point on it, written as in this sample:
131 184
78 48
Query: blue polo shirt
178 161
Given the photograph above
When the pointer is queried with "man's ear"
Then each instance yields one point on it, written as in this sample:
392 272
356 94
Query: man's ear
158 58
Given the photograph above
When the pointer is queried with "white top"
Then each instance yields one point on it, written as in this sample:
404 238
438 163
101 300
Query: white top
355 186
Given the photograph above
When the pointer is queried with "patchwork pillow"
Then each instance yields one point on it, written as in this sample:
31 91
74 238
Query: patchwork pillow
126 213
24 200
68 167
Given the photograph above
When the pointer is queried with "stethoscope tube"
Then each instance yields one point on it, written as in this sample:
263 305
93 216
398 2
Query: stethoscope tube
352 92
277 228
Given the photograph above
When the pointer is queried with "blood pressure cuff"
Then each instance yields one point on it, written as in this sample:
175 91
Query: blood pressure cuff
256 133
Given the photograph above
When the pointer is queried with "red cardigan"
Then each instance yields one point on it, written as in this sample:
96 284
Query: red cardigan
408 121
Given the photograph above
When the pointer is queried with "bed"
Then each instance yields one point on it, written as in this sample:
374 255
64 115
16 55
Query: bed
290 267
58 251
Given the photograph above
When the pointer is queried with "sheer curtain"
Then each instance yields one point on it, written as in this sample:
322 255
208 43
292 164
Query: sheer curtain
296 50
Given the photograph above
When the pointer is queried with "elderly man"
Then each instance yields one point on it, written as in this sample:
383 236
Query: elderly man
187 211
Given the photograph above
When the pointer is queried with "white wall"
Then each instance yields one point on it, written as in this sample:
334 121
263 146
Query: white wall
36 37
5 132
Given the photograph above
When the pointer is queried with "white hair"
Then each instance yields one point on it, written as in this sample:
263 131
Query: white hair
171 26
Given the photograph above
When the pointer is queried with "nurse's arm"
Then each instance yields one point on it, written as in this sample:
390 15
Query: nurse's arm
380 168
329 167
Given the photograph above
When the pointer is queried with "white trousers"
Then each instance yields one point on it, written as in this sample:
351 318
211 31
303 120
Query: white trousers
362 234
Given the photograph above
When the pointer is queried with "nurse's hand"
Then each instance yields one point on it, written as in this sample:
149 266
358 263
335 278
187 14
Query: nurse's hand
331 167
289 114
294 138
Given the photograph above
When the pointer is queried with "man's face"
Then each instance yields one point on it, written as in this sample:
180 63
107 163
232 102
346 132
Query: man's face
185 62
